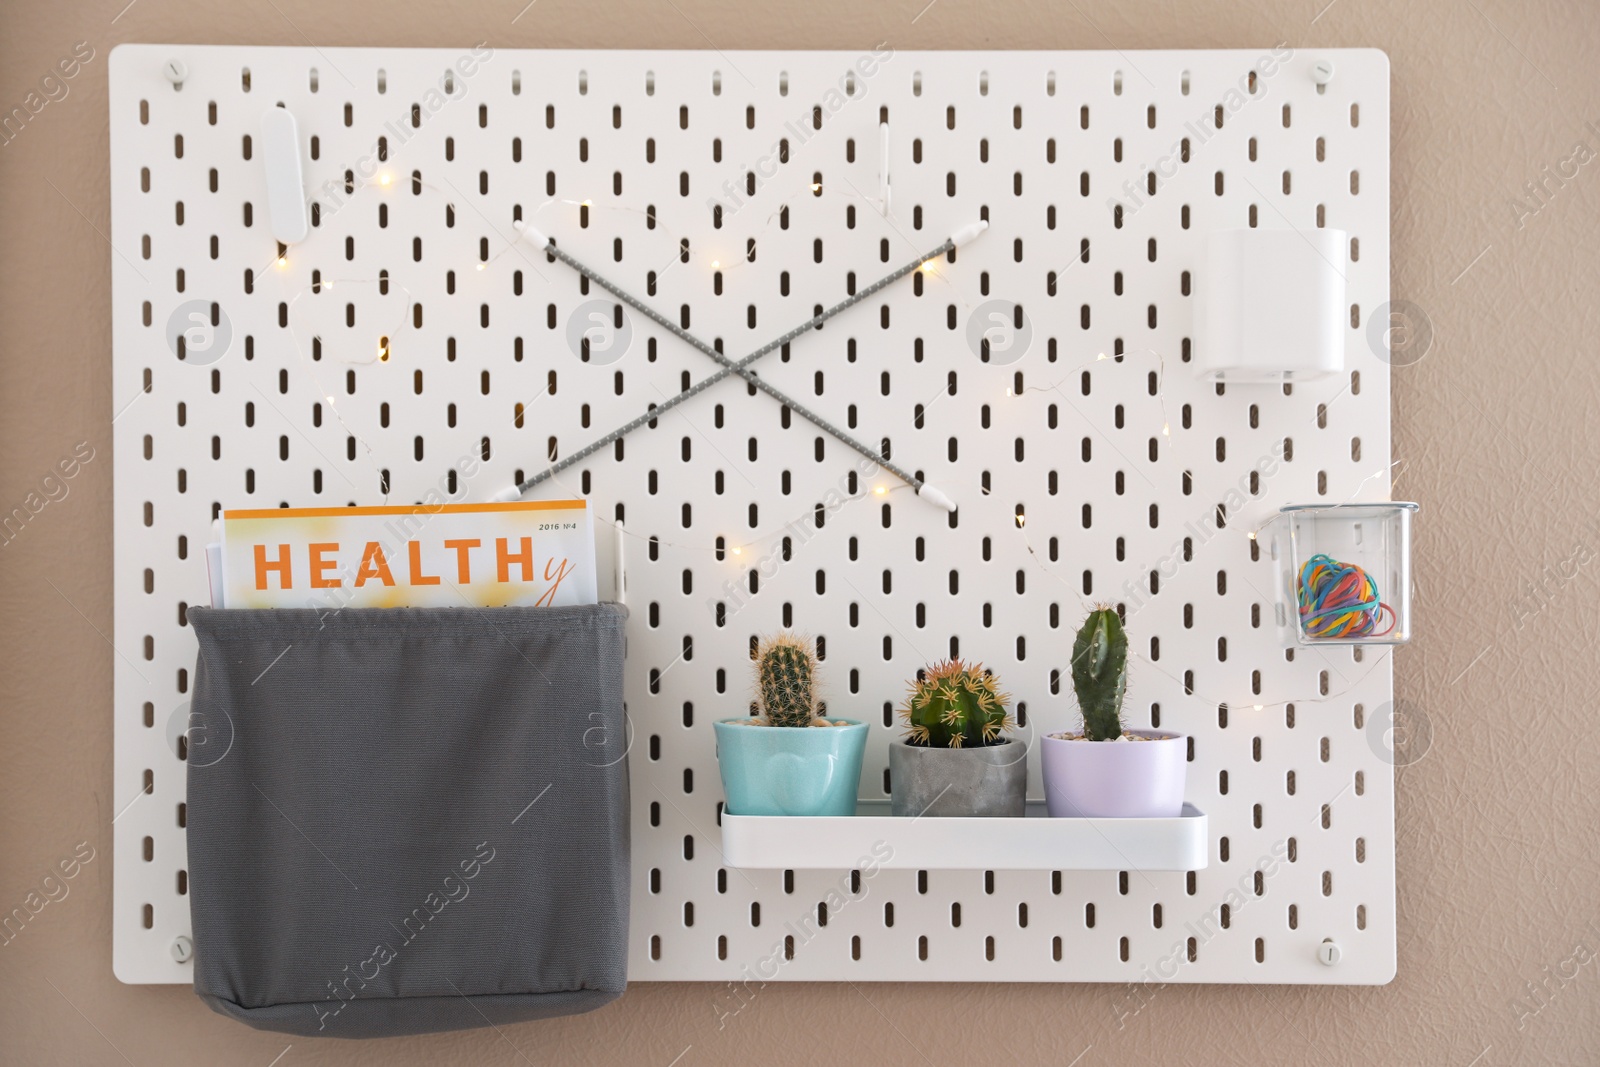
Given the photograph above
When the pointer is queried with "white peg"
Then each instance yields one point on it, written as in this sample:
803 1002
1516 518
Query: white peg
621 570
967 234
934 495
530 234
883 169
280 157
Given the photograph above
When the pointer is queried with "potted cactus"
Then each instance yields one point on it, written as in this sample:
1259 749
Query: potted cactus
789 760
1105 770
954 759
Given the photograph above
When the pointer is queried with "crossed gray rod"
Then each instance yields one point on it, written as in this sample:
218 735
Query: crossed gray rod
545 244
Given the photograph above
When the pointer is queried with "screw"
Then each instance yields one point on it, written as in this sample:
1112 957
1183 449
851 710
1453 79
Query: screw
175 70
1328 953
182 948
1322 71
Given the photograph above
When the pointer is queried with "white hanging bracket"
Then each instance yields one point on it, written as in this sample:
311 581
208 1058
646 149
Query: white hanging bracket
883 169
280 155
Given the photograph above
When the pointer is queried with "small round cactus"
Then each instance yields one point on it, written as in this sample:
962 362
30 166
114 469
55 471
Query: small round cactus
955 706
786 669
1100 674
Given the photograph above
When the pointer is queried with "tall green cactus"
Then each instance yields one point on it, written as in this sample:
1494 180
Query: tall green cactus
954 706
786 667
1100 674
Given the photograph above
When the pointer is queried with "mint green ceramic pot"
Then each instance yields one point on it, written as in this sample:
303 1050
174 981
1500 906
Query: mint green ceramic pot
790 770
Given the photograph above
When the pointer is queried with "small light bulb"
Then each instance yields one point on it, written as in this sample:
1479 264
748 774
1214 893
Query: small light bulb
384 179
330 400
283 261
1022 520
1166 429
716 264
1251 535
588 203
880 490
1100 357
816 187
482 265
927 265
738 551
1260 706
1008 390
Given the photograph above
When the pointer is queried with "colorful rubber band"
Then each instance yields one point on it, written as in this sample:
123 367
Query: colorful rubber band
1340 600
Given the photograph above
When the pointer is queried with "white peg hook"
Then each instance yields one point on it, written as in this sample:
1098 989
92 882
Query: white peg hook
883 169
280 156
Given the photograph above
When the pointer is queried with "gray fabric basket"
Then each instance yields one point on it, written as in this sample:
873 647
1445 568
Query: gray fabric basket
410 819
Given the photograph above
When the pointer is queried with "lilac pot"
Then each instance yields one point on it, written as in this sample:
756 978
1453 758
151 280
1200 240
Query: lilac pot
1115 779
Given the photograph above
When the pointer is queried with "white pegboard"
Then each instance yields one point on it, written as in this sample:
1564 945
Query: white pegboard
1040 143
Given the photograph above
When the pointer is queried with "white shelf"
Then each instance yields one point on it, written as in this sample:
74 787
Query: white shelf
1036 842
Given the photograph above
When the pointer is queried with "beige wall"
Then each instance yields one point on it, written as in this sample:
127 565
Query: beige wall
1498 825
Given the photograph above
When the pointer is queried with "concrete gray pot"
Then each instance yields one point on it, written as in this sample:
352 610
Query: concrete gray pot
991 781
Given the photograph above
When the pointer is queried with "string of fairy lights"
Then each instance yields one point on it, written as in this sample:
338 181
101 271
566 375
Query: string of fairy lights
387 180
675 257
